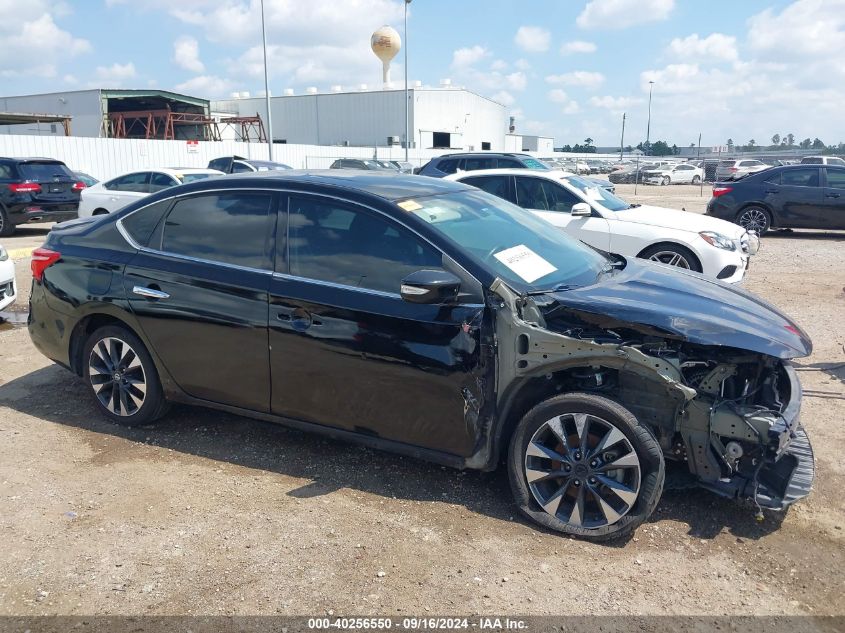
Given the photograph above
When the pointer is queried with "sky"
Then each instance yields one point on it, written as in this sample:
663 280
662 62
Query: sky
738 69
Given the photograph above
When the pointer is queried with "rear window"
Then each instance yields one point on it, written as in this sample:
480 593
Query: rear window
726 163
185 178
45 172
533 163
811 161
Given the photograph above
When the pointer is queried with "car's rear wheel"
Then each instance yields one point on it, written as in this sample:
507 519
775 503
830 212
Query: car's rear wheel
583 465
696 180
755 219
122 377
673 255
6 226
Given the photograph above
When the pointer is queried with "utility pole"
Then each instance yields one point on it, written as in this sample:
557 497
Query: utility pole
407 120
622 142
267 87
648 127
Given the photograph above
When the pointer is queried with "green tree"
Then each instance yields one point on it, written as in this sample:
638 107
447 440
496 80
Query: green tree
588 141
660 148
805 144
730 144
818 144
751 144
776 140
675 149
790 140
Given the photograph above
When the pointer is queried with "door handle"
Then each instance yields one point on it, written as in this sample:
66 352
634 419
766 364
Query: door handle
298 318
772 190
150 293
831 195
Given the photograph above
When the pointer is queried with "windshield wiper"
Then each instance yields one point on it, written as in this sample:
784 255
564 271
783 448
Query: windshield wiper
634 206
558 288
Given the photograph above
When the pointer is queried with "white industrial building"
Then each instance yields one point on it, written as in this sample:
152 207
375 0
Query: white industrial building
439 118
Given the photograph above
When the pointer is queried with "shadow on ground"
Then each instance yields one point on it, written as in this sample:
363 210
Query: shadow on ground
330 465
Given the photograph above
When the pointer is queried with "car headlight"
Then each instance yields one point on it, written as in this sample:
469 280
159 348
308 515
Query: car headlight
718 240
3 254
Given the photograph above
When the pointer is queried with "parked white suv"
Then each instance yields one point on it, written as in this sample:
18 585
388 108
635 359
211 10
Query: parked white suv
717 248
684 173
114 194
736 169
7 279
823 160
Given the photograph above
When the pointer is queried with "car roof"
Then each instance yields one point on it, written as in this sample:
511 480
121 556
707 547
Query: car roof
389 184
32 159
465 154
550 174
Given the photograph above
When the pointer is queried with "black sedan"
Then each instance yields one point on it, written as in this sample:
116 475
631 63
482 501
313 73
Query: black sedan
792 196
433 319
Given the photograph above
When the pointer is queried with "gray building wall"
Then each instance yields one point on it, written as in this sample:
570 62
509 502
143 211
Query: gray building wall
85 106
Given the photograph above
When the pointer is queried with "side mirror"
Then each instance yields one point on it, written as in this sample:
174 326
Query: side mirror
581 209
430 286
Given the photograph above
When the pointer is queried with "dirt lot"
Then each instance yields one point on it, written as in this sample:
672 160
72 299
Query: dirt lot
209 513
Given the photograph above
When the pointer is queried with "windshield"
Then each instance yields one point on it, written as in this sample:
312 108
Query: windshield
525 251
594 193
45 172
533 163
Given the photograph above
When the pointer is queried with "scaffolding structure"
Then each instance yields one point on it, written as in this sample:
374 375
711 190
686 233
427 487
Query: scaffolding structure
161 124
250 129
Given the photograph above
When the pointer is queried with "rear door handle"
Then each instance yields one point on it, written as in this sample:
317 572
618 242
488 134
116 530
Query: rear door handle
831 195
150 293
772 190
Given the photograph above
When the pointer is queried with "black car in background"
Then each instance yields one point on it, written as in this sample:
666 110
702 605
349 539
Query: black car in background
433 319
367 164
241 165
792 196
452 163
36 190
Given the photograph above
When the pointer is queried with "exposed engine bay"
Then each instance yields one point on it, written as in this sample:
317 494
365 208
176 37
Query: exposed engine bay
731 415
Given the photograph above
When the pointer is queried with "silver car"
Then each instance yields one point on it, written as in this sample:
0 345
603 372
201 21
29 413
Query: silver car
736 169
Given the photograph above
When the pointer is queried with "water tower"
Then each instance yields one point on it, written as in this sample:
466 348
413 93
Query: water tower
386 43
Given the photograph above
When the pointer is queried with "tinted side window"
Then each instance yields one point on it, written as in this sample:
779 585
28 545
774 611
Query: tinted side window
812 161
558 197
473 164
510 163
137 182
836 178
774 178
161 181
232 228
141 224
329 241
6 172
808 177
530 193
240 168
497 185
448 166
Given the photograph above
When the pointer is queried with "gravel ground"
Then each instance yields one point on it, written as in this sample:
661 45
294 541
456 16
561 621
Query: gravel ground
209 513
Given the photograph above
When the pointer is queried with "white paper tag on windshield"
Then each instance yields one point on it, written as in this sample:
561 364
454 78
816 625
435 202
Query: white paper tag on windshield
593 193
525 262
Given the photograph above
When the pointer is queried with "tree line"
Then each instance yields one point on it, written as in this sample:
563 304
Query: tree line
785 142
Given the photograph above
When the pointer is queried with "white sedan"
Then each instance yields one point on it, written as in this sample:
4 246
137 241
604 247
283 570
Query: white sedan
7 279
682 174
597 217
114 194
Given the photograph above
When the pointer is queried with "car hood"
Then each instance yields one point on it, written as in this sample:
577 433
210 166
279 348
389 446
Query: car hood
656 299
676 219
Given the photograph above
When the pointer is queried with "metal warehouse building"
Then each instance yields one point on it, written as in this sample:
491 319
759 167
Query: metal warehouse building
440 118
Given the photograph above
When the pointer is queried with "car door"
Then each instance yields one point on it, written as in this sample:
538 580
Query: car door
683 174
797 200
553 202
833 203
159 180
348 352
499 185
199 289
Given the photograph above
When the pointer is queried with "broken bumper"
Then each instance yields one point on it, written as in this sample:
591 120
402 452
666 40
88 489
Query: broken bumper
790 478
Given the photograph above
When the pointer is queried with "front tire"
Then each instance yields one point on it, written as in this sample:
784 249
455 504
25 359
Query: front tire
666 180
122 377
583 465
754 218
672 255
6 226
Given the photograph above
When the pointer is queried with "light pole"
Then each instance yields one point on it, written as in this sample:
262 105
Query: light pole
648 127
622 142
267 87
407 120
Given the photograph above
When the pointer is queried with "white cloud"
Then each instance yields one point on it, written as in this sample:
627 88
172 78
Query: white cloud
208 86
470 56
714 47
616 104
581 78
532 39
522 64
115 75
805 27
558 96
621 14
504 97
30 41
571 108
499 65
186 54
577 46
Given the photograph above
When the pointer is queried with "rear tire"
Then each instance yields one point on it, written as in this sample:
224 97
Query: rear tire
672 255
6 226
122 377
754 218
561 467
696 180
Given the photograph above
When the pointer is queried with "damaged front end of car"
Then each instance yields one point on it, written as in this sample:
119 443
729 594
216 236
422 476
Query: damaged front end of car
730 414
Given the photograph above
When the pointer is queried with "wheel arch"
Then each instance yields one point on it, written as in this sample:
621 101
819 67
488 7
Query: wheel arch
84 328
670 243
